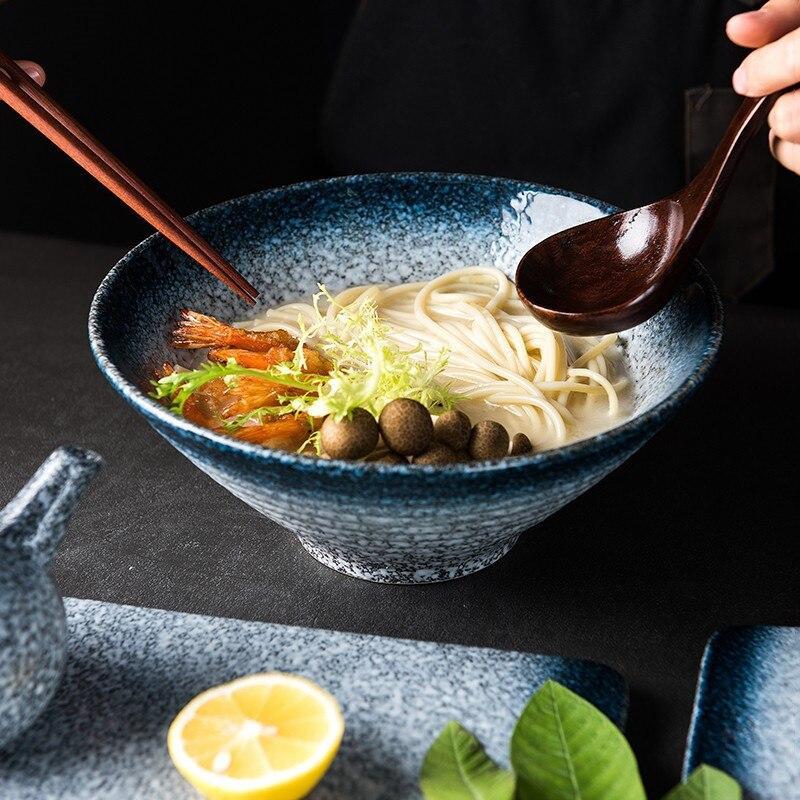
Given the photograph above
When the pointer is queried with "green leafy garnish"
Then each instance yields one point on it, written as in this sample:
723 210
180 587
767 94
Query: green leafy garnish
368 370
179 386
257 416
707 783
562 746
457 768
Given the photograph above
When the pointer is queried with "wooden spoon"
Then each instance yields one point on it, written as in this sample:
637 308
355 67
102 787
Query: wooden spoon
615 272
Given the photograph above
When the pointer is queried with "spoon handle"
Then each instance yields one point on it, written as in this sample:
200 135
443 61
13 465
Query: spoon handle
704 194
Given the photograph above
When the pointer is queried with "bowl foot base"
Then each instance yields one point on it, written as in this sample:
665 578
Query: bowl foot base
401 573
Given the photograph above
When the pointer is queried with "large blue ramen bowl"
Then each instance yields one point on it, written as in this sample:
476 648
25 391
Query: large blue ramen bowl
402 524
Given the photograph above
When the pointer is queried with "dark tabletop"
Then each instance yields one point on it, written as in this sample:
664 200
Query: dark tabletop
697 531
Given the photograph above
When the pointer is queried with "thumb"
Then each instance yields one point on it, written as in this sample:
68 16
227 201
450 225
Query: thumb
757 28
34 70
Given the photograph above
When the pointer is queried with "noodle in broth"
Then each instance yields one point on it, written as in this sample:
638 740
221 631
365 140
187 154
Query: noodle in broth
505 364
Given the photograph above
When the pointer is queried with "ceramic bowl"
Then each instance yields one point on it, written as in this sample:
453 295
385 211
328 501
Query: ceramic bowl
400 524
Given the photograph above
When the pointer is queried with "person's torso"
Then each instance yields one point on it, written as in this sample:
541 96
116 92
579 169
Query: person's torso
616 100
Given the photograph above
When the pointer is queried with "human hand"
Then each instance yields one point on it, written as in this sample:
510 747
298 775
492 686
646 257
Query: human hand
774 33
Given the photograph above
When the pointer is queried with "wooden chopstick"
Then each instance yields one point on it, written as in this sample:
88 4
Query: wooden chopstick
36 107
28 99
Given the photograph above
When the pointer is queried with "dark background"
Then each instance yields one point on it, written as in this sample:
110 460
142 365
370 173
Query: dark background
208 101
203 100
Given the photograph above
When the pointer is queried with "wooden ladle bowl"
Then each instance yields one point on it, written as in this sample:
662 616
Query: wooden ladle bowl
614 272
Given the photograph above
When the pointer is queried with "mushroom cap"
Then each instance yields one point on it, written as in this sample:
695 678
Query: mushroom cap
406 426
453 429
437 454
352 437
488 440
520 445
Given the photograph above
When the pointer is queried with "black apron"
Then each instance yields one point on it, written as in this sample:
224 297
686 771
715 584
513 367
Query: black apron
620 100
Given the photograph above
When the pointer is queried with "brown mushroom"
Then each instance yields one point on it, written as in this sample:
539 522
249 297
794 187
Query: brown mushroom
520 445
489 439
406 426
436 455
351 437
453 428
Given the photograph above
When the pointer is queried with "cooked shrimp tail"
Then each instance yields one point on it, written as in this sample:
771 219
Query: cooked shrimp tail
196 330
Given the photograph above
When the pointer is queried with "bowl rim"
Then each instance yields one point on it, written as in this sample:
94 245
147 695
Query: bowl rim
155 412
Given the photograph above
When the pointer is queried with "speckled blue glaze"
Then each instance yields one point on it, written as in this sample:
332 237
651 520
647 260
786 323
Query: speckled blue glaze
389 523
746 717
32 632
130 670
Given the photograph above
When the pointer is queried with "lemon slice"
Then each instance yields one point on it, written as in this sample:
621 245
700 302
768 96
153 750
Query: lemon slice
263 737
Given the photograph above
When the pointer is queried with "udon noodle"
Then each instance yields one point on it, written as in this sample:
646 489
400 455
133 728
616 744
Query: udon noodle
504 363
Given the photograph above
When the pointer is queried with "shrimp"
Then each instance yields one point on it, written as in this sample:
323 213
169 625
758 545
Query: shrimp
287 432
204 405
279 354
216 402
247 394
195 331
251 360
222 400
209 406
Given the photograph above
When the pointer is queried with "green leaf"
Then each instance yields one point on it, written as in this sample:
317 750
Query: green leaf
707 783
456 767
563 748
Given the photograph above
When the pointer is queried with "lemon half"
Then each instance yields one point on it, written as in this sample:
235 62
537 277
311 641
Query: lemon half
263 737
